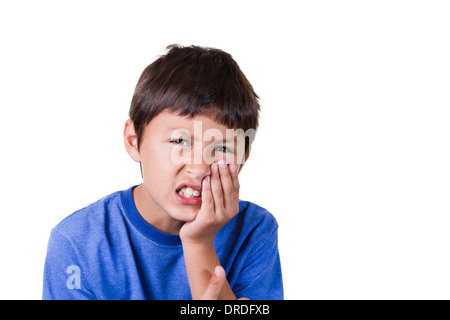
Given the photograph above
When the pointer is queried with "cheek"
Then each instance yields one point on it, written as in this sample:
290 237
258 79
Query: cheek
158 171
227 157
179 155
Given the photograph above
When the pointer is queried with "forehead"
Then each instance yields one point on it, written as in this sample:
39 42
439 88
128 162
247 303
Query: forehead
168 121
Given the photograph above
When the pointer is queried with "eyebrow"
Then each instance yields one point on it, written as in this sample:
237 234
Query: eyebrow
172 129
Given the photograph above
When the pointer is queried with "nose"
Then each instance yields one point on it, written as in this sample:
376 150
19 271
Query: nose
198 165
198 171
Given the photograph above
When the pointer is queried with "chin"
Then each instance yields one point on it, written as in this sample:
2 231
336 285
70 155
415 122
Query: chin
186 214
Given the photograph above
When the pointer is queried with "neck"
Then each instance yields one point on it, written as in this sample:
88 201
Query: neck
154 215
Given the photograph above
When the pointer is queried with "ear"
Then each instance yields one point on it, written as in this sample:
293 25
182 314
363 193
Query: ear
246 157
130 139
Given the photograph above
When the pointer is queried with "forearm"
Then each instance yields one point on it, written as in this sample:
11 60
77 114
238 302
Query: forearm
200 260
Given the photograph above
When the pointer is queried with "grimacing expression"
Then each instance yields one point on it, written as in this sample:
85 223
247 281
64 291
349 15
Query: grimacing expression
176 152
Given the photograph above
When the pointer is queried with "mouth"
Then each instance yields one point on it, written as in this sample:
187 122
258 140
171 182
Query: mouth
189 194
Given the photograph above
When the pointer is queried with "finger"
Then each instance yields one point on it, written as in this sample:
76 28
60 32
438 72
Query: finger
215 284
230 184
234 177
216 188
207 197
227 184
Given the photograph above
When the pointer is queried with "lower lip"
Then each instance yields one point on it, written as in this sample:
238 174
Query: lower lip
184 200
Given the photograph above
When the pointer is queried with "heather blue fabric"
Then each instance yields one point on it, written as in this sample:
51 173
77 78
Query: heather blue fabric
107 251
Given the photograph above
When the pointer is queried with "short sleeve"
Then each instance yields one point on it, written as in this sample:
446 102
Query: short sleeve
260 278
64 277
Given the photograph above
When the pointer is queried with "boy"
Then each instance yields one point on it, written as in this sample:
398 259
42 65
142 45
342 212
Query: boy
177 234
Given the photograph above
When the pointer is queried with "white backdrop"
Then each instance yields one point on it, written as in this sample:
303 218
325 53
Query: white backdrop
352 156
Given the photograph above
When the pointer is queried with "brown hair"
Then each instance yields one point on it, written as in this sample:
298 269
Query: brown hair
193 81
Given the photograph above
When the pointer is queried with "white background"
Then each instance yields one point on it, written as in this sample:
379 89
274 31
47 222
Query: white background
352 156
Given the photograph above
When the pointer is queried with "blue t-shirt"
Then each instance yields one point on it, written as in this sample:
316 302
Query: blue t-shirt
108 251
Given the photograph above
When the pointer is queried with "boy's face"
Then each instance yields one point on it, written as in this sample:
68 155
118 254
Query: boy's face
177 152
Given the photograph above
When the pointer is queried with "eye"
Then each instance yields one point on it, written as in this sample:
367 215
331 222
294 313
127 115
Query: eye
223 149
180 142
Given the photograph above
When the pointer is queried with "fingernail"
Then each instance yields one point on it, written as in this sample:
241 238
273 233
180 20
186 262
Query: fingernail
217 271
208 179
232 167
222 163
215 167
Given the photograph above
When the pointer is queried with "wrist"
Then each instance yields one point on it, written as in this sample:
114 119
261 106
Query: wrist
203 243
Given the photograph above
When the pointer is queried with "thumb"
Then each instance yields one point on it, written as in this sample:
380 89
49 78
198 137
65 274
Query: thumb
215 284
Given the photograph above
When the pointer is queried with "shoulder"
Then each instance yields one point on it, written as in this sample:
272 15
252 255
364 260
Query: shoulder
255 216
252 222
91 219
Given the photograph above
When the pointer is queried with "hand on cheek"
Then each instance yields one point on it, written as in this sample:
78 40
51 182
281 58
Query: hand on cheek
220 203
225 189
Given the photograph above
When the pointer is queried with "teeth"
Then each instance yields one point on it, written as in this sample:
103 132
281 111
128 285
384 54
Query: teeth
189 192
